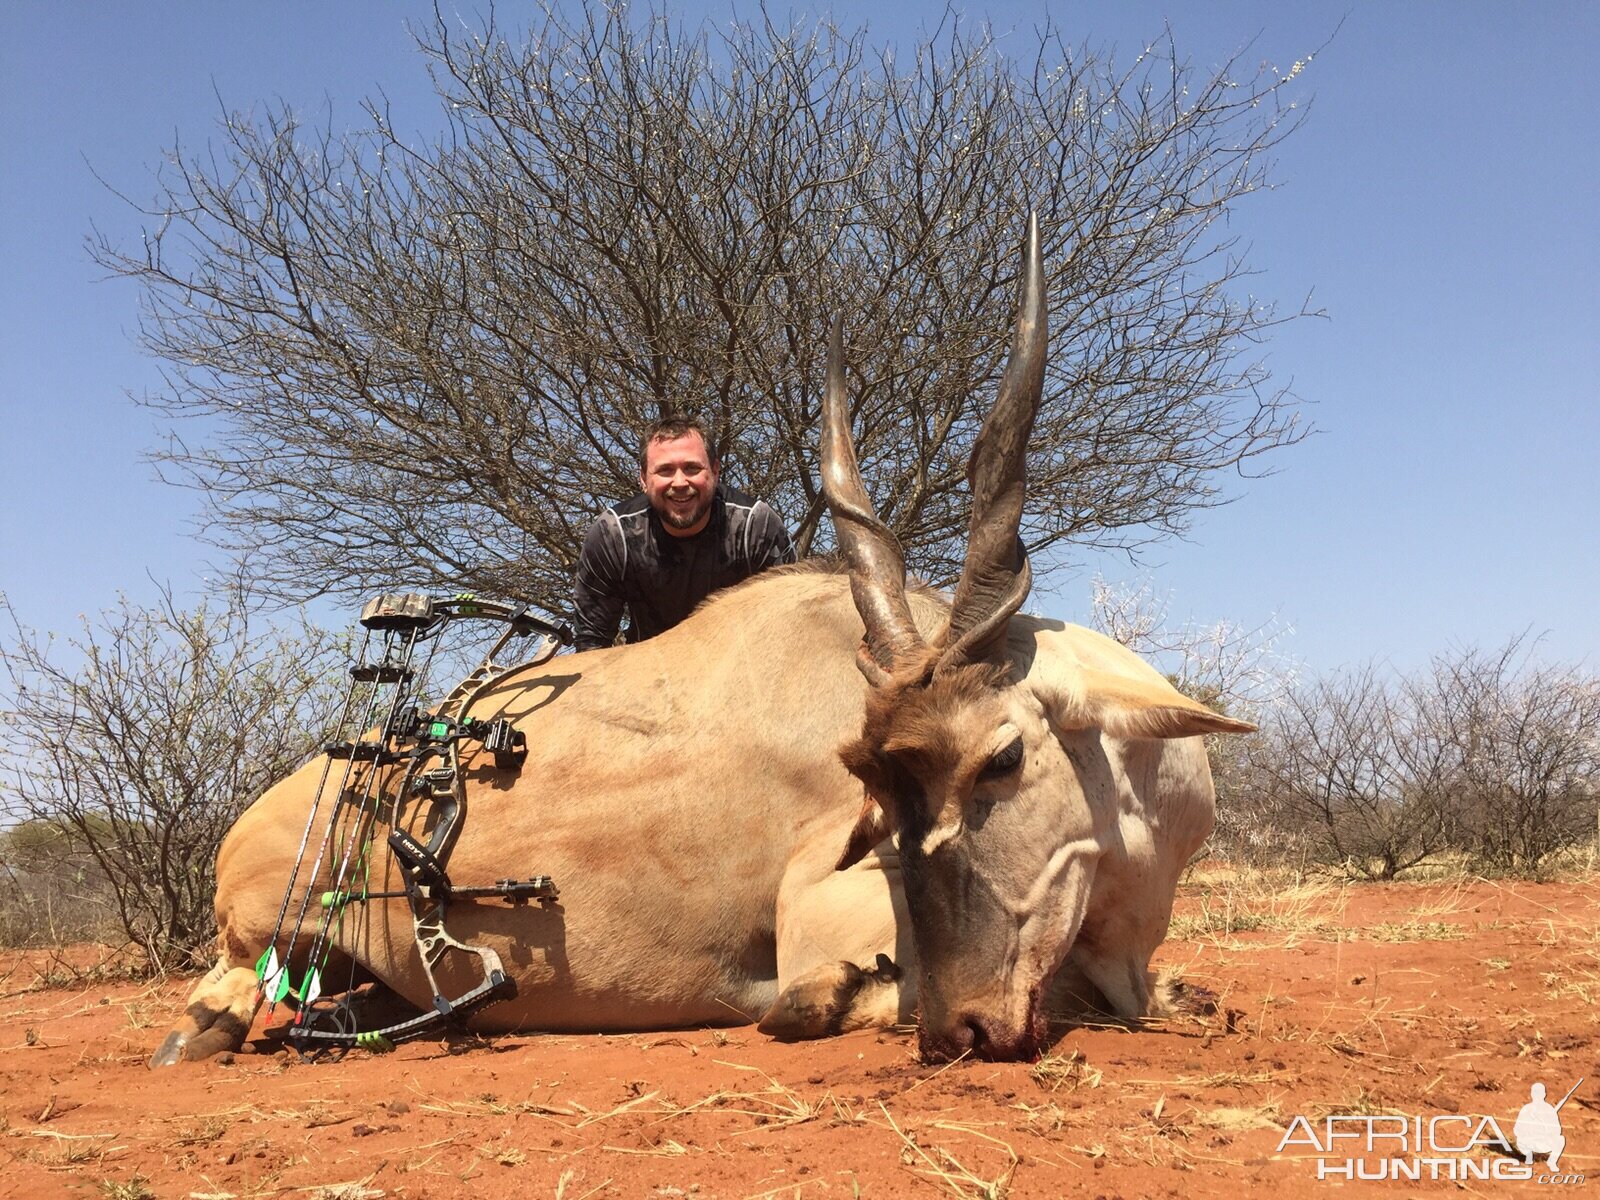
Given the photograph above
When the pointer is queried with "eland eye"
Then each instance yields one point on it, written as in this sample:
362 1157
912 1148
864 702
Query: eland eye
1003 762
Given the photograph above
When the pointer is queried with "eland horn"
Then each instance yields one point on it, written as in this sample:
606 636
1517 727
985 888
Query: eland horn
996 576
877 564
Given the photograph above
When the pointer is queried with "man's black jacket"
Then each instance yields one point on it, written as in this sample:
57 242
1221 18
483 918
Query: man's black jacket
629 560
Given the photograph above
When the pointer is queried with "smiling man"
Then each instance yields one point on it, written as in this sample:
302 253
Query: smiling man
682 537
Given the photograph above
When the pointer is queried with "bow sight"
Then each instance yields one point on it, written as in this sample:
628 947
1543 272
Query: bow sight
398 763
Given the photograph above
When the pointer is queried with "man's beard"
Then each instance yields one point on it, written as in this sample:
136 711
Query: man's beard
680 520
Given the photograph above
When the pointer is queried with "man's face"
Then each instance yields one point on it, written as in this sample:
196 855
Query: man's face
679 479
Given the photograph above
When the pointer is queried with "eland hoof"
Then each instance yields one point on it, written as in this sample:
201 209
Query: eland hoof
170 1051
829 1000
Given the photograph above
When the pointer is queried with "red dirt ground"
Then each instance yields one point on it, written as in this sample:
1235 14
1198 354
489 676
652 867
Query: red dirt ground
1418 1000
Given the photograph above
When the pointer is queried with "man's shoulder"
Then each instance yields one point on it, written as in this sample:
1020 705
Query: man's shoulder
755 533
751 510
612 526
620 517
634 507
734 498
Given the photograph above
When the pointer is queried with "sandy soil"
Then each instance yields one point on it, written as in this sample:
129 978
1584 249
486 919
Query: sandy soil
1417 1000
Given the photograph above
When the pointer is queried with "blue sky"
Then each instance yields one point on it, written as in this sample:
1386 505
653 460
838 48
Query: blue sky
1440 204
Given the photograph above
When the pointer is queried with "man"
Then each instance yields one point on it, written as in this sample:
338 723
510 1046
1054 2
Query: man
681 538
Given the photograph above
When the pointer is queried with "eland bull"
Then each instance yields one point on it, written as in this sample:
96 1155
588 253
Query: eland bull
825 802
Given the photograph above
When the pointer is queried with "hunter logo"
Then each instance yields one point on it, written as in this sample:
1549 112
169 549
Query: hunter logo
1538 1127
1453 1146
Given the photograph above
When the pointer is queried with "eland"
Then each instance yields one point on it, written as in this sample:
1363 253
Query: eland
826 801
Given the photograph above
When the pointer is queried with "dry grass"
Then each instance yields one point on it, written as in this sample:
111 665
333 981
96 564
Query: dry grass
1449 902
776 1103
667 1148
1044 1120
135 1188
937 1163
1581 983
505 1156
1055 1071
1359 1103
1414 931
1241 1119
355 1190
773 1105
1260 902
1213 1081
565 1182
71 1150
201 1132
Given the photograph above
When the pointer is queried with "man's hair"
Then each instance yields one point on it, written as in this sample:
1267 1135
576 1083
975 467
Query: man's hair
669 428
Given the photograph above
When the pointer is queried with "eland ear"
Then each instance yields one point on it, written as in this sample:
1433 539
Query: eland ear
1134 708
871 827
877 819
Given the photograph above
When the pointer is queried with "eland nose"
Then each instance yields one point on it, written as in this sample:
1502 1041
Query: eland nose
973 1035
979 1035
968 1035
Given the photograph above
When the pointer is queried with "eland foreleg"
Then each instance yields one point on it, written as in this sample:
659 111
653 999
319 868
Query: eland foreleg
845 959
219 1014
